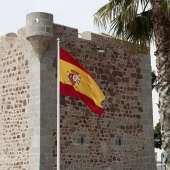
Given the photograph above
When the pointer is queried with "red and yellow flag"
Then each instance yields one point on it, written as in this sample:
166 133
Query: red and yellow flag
76 81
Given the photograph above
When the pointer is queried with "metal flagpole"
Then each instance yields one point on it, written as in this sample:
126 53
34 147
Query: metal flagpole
58 104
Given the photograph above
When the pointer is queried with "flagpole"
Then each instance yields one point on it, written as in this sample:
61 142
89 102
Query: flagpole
58 104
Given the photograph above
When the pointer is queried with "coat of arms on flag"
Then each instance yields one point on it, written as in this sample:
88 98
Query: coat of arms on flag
74 78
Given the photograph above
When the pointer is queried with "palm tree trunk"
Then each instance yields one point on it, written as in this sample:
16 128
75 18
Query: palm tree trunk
162 40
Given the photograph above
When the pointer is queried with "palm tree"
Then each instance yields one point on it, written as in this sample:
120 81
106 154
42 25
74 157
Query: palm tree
140 22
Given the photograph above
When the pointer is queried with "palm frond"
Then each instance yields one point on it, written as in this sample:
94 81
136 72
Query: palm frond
167 6
106 13
125 22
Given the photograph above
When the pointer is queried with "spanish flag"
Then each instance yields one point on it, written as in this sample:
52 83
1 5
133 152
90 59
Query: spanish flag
76 81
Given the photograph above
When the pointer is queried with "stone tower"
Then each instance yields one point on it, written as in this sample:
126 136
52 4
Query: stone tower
121 139
39 31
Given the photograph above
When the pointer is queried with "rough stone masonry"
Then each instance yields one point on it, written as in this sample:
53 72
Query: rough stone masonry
121 139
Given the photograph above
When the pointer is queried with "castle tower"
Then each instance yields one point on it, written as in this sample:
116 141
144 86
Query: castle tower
121 139
39 31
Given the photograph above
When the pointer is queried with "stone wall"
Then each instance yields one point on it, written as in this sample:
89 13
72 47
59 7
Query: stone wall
14 101
121 139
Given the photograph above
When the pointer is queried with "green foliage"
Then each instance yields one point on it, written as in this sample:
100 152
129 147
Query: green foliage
124 21
154 79
129 20
157 136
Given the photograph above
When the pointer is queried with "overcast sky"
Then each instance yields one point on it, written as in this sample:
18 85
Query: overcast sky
73 13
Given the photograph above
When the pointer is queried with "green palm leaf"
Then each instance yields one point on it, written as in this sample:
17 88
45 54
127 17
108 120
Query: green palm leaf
124 21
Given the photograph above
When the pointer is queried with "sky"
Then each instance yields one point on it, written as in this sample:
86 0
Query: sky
73 13
76 14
